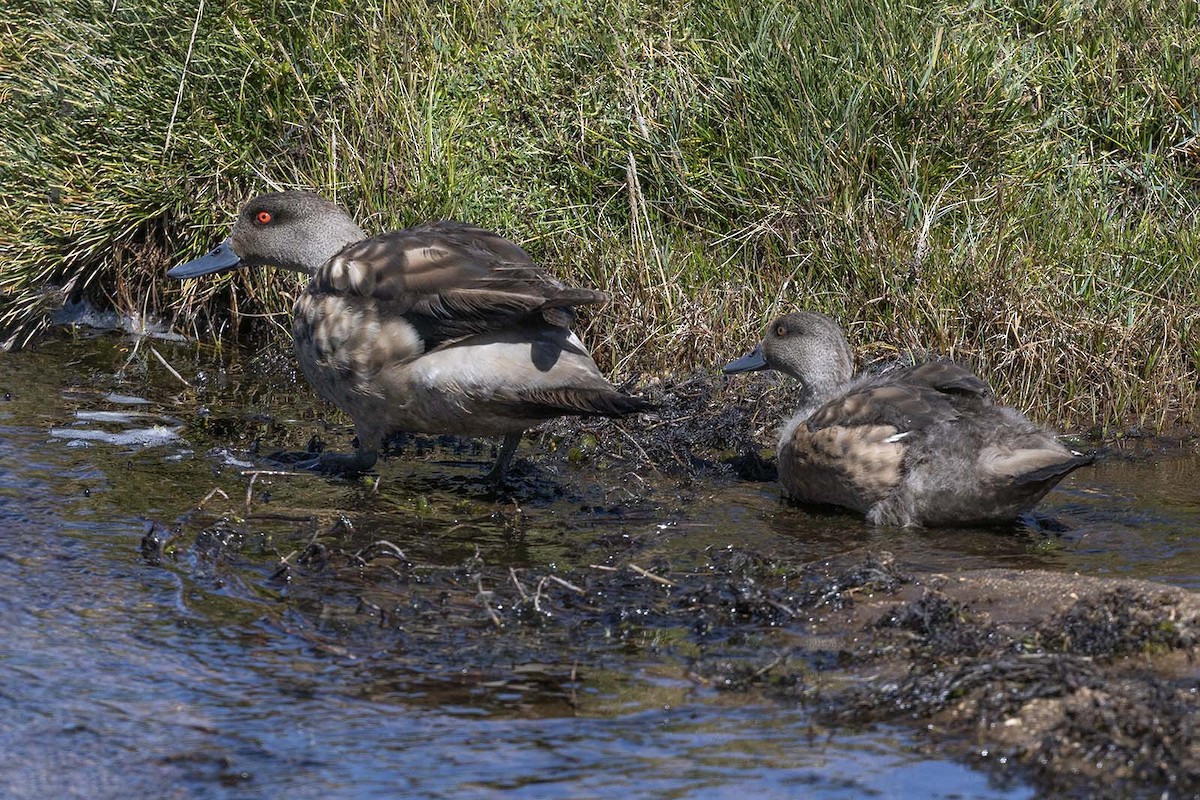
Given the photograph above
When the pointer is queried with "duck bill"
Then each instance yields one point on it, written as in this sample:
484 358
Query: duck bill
750 362
219 259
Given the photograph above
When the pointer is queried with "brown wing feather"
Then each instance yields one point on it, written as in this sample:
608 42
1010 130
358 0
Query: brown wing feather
908 399
450 280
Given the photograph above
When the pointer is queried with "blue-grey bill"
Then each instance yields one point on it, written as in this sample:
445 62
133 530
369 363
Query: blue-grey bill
218 259
748 363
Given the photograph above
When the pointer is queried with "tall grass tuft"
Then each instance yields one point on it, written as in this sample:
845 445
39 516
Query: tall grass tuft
1013 183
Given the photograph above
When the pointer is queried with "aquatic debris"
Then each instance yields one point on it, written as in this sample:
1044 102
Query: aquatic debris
165 432
155 436
126 399
83 313
156 540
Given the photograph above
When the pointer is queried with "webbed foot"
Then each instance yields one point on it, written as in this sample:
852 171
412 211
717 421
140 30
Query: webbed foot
344 464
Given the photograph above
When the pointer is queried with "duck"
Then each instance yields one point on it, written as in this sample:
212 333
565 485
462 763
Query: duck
440 328
924 445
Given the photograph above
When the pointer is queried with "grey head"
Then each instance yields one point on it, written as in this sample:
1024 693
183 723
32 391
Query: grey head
294 230
807 345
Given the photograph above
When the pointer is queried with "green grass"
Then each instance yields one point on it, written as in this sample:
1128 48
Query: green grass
1012 182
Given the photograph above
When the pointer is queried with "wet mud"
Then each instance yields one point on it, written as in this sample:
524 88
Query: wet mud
1081 686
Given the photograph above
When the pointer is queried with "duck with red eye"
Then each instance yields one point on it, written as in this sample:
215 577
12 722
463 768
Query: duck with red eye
918 445
438 328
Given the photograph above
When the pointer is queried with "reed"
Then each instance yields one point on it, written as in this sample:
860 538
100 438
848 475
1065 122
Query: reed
1012 183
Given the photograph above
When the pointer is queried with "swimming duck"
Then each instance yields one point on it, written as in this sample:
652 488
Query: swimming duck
438 328
912 446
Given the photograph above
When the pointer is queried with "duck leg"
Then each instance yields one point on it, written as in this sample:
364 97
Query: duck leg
511 440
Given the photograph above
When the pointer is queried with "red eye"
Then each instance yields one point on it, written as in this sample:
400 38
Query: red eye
263 217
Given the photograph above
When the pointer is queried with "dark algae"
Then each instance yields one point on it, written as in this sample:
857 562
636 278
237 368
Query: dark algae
1061 680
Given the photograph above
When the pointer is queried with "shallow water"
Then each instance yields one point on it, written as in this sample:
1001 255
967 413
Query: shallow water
210 674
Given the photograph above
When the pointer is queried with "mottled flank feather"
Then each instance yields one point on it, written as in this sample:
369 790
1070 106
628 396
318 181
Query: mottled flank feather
852 466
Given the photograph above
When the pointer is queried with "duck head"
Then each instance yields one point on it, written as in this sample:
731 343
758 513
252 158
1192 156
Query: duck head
294 230
806 345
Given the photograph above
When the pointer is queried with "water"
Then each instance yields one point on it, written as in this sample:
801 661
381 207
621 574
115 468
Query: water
211 675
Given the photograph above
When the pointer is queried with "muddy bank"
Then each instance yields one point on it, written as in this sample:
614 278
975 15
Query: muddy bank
1083 686
1086 684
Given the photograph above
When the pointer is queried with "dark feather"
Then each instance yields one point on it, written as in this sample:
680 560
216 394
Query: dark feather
570 401
907 399
451 280
950 378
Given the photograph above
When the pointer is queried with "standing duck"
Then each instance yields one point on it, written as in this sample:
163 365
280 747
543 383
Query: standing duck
438 328
919 445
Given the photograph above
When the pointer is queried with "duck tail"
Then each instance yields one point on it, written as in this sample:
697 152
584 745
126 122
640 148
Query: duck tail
568 298
623 404
559 309
1053 473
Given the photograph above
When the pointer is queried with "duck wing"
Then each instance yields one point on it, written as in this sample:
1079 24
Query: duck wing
906 399
449 280
957 382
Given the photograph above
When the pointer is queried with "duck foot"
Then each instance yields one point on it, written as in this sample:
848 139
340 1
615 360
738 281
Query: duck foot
344 464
